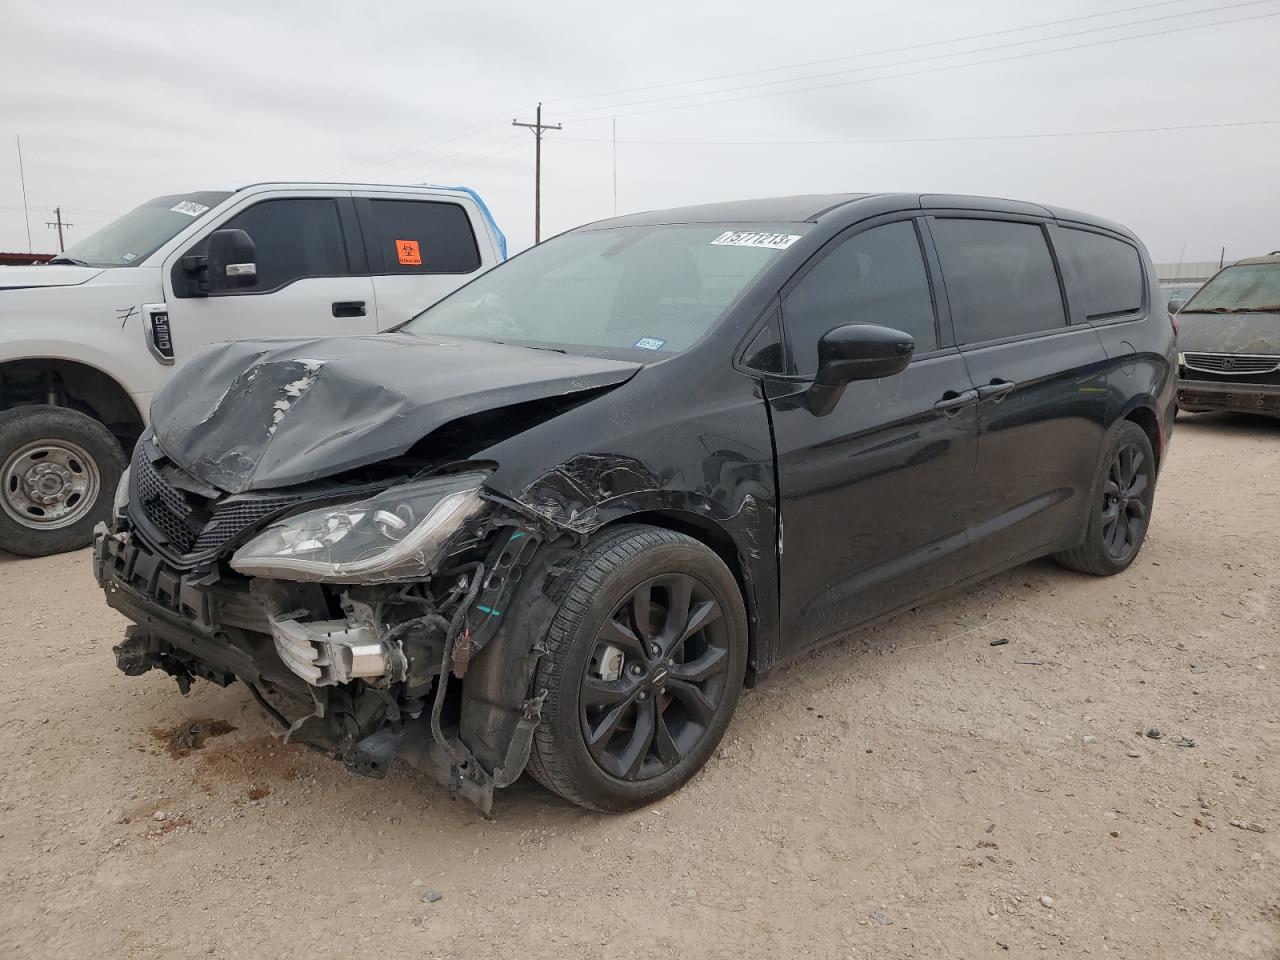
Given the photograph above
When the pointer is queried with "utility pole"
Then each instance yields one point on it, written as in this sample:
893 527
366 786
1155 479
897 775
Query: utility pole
537 127
58 222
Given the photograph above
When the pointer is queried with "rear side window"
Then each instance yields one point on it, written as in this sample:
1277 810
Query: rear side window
877 276
1109 270
294 238
1000 278
423 236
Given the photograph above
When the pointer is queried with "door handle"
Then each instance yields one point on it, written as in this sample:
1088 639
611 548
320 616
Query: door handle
348 308
996 390
952 402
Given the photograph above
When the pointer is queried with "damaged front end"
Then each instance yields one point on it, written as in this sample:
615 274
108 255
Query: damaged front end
367 617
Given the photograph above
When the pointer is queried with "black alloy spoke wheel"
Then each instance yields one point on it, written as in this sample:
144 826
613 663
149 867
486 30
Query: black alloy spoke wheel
1124 507
1119 505
645 660
671 677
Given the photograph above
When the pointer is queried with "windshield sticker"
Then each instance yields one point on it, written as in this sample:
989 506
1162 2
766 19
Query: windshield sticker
407 251
770 241
189 207
650 343
128 257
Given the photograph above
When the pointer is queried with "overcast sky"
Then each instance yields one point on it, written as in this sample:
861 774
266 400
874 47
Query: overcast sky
117 102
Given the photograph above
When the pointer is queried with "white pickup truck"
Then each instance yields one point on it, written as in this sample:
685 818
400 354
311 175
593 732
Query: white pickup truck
88 337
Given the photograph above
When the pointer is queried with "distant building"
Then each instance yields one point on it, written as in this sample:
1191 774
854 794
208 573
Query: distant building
1197 271
24 259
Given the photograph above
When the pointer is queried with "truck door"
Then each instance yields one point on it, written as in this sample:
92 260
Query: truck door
313 277
420 249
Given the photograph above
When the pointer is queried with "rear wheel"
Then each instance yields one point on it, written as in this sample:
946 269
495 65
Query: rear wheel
1121 501
58 473
644 666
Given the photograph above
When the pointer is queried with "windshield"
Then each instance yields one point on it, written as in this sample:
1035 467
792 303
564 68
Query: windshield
633 292
1243 288
135 236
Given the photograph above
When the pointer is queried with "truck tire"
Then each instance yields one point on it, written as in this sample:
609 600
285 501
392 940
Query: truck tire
58 474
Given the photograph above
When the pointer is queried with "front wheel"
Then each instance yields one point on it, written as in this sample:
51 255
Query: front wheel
1122 496
643 668
58 472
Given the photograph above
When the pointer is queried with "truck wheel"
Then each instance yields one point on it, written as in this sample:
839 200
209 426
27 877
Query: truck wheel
643 667
57 479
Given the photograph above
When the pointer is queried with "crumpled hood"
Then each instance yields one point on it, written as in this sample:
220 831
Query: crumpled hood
259 414
46 275
1229 333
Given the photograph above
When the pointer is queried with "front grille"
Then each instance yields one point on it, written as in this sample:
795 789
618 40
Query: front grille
1229 364
190 526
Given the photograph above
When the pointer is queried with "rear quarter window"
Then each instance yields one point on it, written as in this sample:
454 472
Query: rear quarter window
1109 271
423 237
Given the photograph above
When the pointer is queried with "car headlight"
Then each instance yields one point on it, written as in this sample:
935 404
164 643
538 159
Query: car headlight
394 535
1181 360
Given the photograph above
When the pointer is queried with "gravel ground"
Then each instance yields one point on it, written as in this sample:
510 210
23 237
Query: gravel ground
912 791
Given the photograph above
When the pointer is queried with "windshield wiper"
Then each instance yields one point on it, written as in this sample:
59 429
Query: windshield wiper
1261 308
71 260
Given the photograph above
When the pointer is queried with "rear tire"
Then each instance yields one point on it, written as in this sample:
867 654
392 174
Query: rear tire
58 474
1120 503
633 710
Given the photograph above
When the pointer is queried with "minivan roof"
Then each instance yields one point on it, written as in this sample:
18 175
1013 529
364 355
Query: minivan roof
815 207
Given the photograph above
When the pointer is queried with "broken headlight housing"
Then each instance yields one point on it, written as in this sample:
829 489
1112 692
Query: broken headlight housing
394 535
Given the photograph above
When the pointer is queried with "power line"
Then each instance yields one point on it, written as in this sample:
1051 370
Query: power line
938 69
537 127
870 141
932 57
436 141
418 164
868 53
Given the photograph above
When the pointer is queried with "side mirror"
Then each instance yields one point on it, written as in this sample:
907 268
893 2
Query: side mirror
231 263
856 351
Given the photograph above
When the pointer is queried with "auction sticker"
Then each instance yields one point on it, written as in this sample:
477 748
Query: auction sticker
770 241
190 208
650 343
408 252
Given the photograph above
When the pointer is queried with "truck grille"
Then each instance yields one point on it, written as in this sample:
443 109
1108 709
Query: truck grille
188 525
1239 364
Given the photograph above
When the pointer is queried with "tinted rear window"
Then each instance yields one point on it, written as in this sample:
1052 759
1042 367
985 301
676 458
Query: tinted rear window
424 236
1110 271
1000 278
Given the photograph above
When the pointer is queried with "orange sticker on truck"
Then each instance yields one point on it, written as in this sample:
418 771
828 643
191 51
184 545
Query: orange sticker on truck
407 251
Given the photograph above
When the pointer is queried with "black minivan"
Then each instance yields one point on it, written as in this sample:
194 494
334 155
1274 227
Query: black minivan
560 518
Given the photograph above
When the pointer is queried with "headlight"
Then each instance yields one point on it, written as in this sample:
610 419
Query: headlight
394 535
1181 360
120 505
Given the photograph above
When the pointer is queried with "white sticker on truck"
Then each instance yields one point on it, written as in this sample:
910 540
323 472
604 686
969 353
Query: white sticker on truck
770 241
190 208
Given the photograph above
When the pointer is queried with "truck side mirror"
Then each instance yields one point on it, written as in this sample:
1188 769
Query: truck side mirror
231 263
856 351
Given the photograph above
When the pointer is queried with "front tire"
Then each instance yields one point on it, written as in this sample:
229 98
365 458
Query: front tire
644 664
58 473
1121 499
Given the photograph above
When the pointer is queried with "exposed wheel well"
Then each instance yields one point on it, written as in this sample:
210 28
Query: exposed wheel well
67 383
706 532
1146 418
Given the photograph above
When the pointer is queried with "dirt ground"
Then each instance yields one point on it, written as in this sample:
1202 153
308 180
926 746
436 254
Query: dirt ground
912 791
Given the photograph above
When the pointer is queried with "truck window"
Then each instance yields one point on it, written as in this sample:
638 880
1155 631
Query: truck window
296 238
424 236
1110 271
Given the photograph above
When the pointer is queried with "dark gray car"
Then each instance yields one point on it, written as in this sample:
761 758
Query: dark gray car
1229 341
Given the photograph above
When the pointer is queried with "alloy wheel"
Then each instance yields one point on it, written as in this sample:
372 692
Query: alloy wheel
1126 501
656 677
